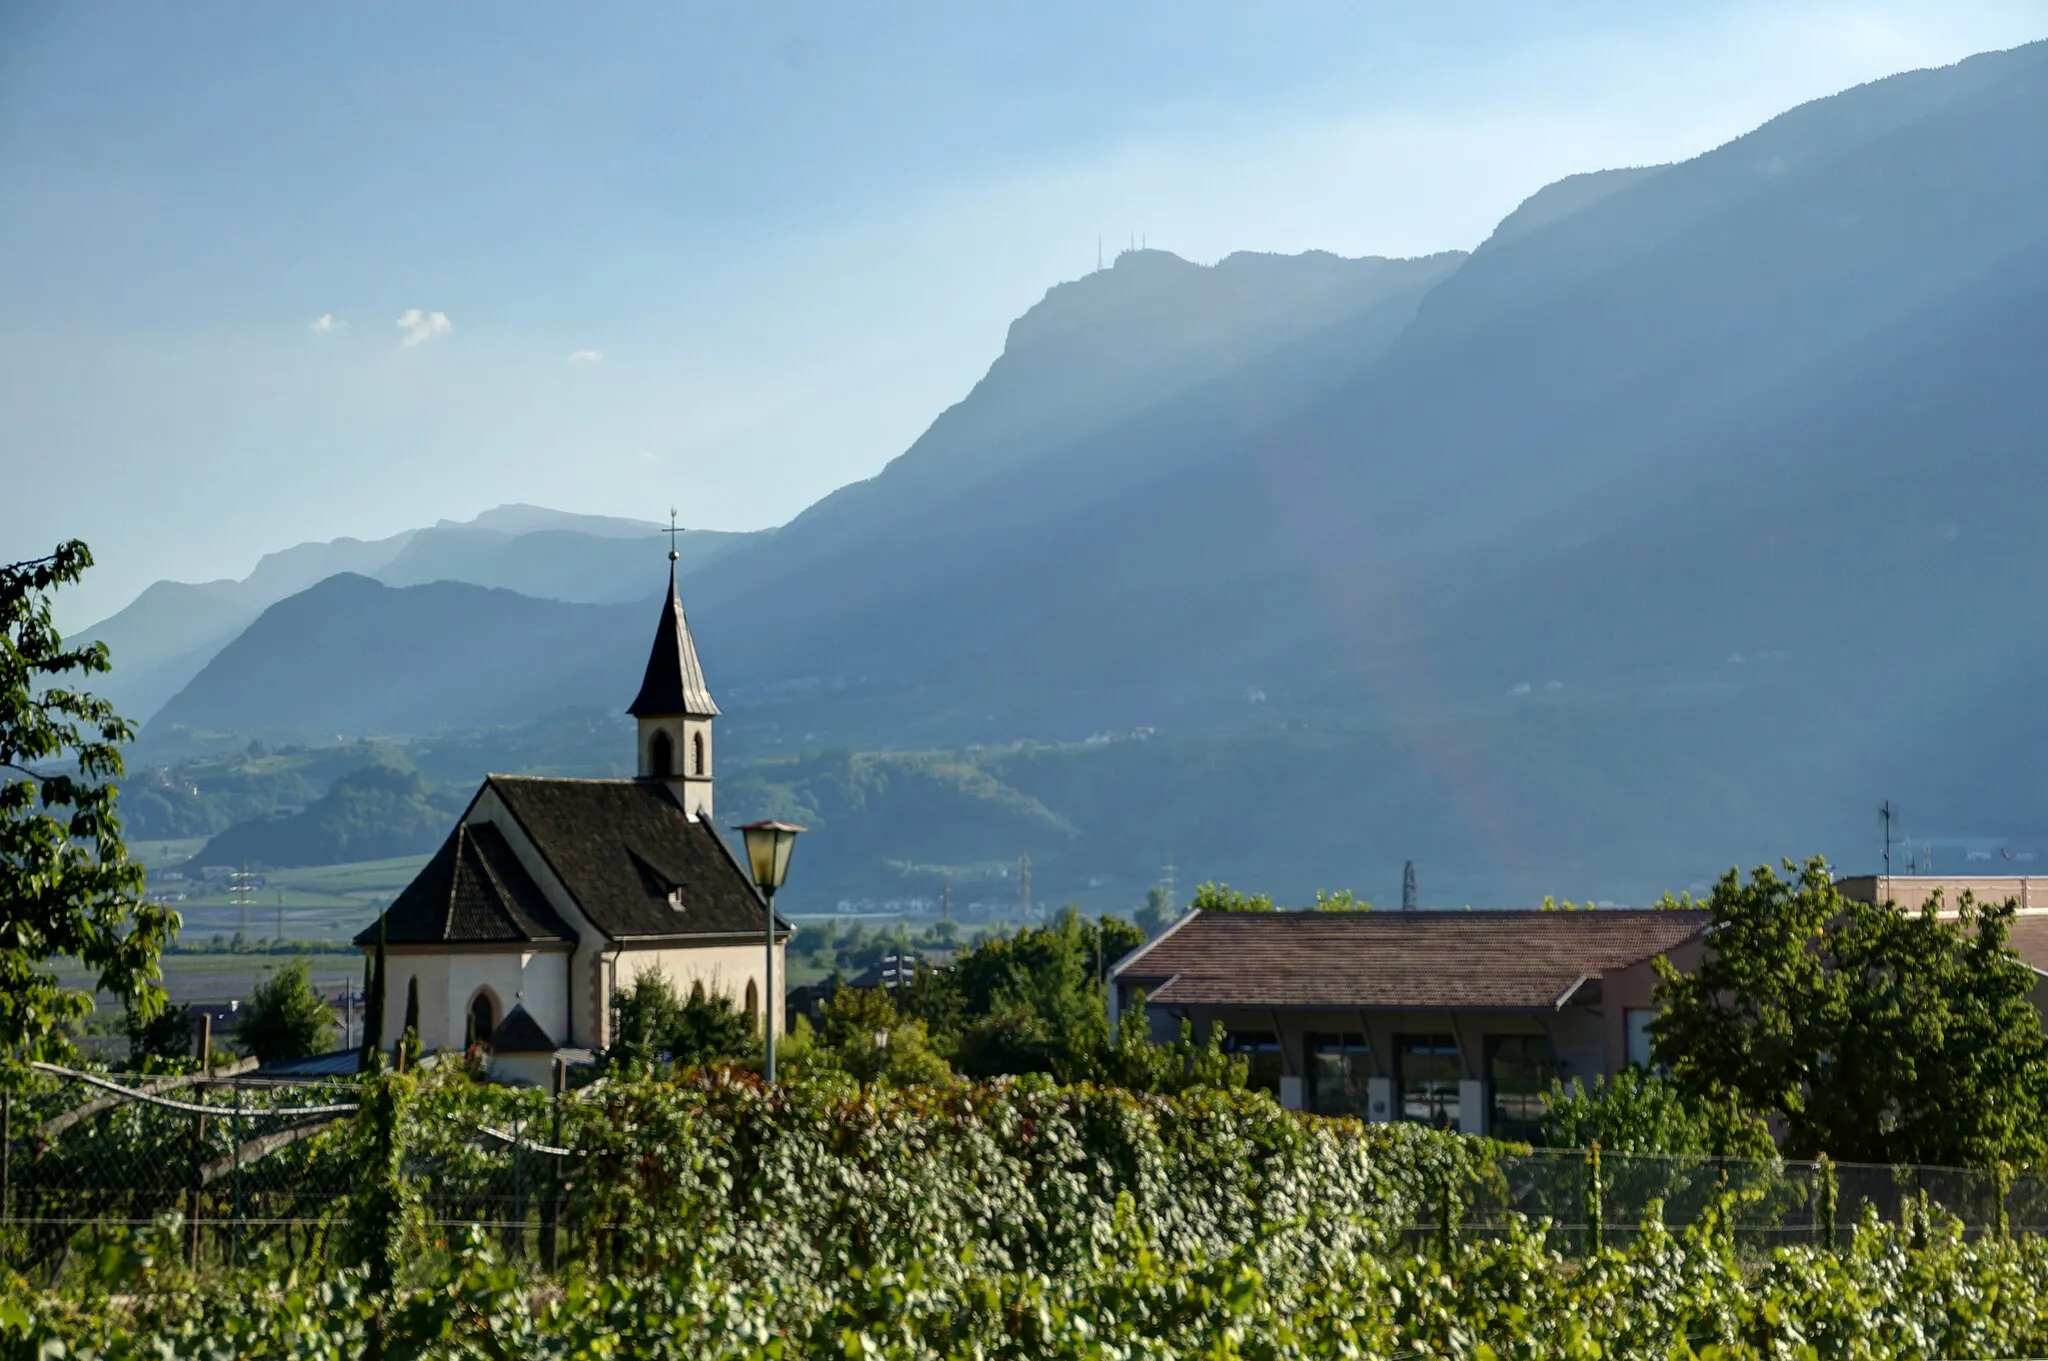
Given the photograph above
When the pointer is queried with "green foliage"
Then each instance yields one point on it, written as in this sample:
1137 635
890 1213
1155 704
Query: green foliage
1637 1112
164 1036
409 1038
1879 1035
1339 900
372 1054
286 1018
1158 913
67 886
863 1035
729 1221
381 810
651 1024
1223 898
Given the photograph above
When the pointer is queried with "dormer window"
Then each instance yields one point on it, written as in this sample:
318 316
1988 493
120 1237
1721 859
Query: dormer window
675 900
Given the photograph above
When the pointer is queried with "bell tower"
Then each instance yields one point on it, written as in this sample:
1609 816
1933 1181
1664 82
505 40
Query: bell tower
673 710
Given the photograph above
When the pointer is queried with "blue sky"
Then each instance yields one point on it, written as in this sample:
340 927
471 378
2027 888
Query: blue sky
610 258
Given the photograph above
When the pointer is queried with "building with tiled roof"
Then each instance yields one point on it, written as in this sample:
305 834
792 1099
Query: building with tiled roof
551 894
1455 1018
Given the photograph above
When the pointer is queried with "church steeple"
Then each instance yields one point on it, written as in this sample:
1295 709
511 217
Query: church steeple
675 709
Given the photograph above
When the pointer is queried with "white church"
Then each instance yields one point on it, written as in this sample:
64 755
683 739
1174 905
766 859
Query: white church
551 894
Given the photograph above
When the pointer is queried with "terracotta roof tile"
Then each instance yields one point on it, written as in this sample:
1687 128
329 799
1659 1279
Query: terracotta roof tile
1509 960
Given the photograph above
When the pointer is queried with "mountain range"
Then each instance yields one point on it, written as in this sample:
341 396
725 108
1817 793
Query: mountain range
1680 520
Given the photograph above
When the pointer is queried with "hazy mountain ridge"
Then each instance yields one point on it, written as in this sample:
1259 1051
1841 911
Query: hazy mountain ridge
1680 515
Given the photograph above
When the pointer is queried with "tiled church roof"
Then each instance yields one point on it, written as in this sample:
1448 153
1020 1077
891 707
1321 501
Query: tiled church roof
473 890
674 683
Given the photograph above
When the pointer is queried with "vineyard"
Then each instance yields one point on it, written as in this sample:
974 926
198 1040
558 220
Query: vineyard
440 1216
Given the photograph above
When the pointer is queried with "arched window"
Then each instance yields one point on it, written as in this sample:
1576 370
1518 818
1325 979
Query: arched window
661 755
483 1017
753 1003
697 753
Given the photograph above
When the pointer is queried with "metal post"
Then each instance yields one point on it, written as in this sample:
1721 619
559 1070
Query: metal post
768 1002
7 1155
551 1210
193 1238
237 1238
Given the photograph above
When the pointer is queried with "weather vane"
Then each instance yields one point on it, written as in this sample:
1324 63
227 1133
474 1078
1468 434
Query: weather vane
673 530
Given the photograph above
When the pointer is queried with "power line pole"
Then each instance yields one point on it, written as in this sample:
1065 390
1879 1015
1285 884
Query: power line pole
1024 890
945 902
1166 881
1885 814
239 889
1409 895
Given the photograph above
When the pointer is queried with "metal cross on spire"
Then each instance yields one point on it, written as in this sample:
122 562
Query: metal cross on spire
673 530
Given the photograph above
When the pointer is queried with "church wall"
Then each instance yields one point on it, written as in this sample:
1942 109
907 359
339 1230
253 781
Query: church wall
585 1004
532 979
721 968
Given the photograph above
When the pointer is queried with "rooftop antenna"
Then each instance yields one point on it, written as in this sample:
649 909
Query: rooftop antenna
1885 814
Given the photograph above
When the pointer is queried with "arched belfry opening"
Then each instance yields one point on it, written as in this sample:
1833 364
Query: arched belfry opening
697 753
661 755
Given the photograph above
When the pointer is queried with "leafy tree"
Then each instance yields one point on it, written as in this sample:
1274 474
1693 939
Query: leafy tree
1223 898
67 887
1877 1035
286 1018
1158 913
1637 1112
650 1023
166 1035
1340 900
869 1039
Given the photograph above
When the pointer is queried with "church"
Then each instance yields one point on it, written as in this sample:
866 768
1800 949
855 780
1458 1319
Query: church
552 894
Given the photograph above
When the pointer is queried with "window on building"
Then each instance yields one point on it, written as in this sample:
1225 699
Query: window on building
1264 1060
1429 1071
697 753
1638 1019
1519 1070
661 754
1339 1074
483 1018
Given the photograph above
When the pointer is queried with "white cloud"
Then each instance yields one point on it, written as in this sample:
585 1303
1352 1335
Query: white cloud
649 456
420 327
585 356
326 322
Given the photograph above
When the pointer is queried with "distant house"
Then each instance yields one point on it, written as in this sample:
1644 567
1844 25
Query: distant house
550 895
1460 1019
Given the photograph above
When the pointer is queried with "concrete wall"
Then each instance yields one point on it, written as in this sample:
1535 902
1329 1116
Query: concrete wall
1913 890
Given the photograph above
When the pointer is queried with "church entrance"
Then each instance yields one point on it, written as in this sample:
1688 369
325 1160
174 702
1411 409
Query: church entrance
483 1018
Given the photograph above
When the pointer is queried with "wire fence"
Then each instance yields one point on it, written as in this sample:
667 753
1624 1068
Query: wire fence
239 1170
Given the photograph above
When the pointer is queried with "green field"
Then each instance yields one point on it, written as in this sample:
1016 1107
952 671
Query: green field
321 902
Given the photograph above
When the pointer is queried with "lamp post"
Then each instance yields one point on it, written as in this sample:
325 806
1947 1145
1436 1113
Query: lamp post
768 847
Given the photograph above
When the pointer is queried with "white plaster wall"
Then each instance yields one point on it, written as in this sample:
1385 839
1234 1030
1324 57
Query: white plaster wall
538 981
584 1019
432 971
720 968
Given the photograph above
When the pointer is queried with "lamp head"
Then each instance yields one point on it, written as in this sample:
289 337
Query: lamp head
768 846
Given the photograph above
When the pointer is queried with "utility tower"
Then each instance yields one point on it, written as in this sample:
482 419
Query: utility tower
1024 890
239 891
1408 892
1166 882
945 902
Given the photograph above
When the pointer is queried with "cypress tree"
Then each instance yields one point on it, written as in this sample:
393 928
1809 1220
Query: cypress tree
372 1060
409 1038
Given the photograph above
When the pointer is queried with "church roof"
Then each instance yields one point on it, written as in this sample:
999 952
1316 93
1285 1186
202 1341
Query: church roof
519 1033
473 890
635 863
674 683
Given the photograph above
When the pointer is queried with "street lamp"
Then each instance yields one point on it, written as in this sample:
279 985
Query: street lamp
768 847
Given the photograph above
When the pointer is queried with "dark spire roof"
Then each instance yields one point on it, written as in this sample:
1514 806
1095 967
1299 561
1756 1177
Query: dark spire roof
674 683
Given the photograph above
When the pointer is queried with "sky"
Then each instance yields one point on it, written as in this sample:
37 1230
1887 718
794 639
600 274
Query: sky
278 273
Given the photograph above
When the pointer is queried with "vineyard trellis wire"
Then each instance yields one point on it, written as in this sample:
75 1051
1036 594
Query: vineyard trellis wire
247 1168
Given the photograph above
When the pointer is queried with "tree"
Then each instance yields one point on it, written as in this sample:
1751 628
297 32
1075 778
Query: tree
1158 913
286 1018
1340 900
67 887
1877 1035
1637 1112
371 1058
409 1038
1223 898
166 1035
651 1024
865 1036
